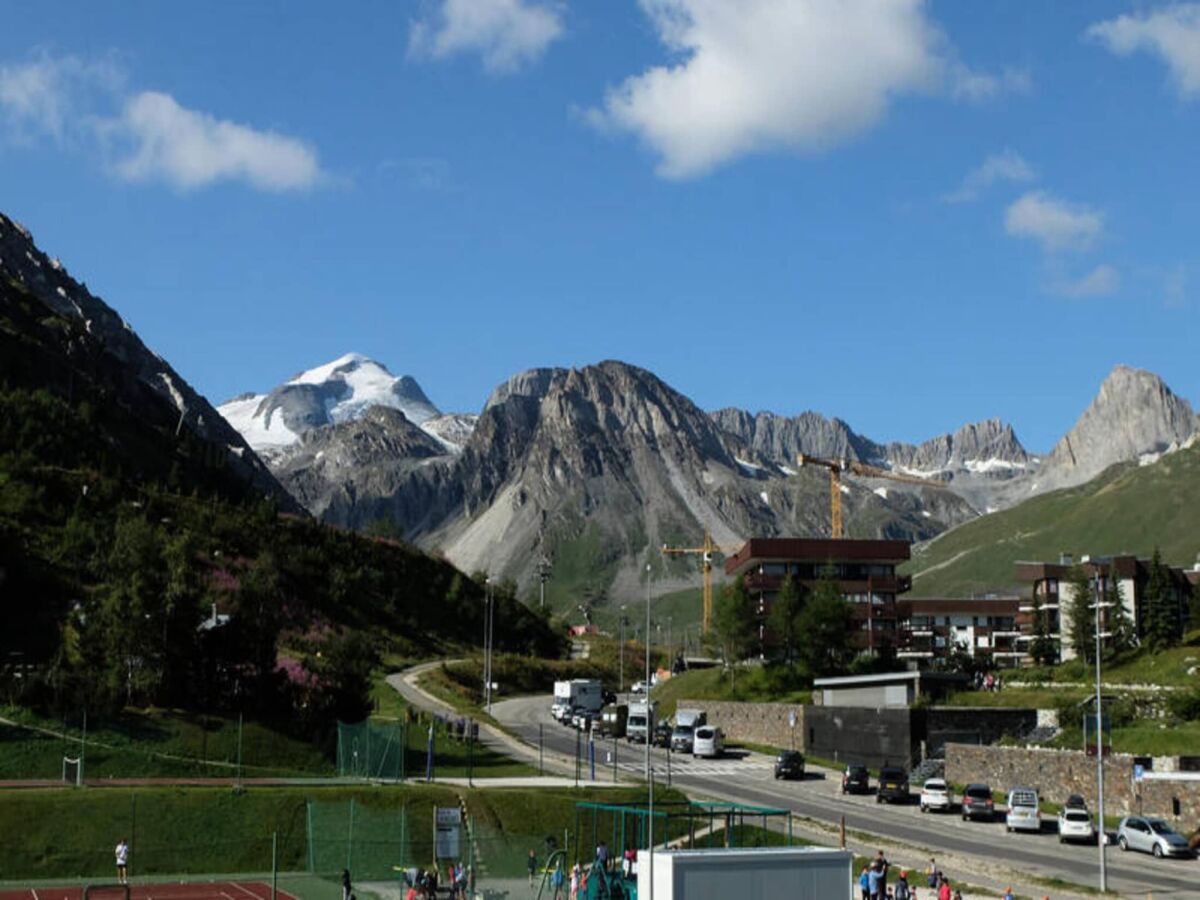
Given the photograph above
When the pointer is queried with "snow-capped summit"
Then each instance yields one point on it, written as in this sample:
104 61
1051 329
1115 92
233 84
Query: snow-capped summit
338 391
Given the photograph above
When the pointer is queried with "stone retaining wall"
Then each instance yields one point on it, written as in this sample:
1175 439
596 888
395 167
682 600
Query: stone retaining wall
754 723
1057 773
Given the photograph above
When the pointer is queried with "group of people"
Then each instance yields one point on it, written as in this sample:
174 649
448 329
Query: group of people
423 884
872 881
988 682
572 884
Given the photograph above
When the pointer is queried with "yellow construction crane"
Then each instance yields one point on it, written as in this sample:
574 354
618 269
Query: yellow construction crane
837 466
706 563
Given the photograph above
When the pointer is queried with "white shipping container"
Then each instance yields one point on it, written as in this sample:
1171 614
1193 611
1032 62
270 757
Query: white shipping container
756 873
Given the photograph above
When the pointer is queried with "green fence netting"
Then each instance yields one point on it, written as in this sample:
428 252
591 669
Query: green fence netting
371 749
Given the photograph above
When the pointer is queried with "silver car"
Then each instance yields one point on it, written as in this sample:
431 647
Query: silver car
1151 836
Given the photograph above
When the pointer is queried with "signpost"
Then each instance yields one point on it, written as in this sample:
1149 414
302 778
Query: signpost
447 832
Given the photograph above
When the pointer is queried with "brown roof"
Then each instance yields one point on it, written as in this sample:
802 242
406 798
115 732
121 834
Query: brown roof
818 550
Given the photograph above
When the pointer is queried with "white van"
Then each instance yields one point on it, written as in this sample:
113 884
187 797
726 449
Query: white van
708 742
1023 810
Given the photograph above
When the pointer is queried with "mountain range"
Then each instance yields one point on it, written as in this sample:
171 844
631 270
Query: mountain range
598 467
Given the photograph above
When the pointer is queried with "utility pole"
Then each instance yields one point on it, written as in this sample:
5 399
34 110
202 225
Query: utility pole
544 567
1103 838
489 616
621 662
649 726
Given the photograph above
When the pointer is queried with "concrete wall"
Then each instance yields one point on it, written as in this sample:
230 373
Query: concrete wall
969 725
874 737
870 696
1057 773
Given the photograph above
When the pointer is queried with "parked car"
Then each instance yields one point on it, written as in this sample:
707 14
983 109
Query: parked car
1075 801
893 785
935 794
977 803
855 779
1075 824
1024 811
639 687
789 764
1151 836
708 742
682 737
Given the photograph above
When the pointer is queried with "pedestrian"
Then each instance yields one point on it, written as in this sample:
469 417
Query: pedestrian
557 880
902 891
864 883
531 865
602 855
122 853
877 880
1008 894
345 884
574 894
958 895
931 874
944 889
627 862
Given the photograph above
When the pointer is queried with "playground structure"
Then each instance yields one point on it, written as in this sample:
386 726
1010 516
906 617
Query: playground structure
681 825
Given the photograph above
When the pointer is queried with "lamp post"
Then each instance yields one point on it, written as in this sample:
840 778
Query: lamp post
1102 841
489 616
649 726
621 663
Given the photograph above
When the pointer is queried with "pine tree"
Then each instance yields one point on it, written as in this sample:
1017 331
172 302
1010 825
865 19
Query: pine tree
1120 626
1041 648
785 615
1081 626
1161 624
735 622
826 629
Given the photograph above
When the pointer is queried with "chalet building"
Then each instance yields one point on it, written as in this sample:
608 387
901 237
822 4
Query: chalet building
1049 585
987 628
865 572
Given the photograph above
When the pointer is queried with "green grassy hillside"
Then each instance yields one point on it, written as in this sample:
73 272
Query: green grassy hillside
1128 509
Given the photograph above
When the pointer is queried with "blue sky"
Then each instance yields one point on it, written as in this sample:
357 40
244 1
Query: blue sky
908 215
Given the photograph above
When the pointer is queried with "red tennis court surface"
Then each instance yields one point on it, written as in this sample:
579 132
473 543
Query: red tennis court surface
210 890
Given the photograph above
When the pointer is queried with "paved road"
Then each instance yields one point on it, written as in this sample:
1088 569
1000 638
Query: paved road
751 779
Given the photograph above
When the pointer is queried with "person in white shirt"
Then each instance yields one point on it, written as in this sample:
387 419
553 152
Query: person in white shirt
122 862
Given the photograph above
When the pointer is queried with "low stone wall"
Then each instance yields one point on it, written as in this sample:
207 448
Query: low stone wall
754 723
1057 773
971 725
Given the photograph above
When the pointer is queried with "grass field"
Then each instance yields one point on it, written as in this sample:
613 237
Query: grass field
70 833
1128 509
752 684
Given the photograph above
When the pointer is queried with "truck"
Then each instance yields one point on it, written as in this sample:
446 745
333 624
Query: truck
577 695
613 721
643 717
686 723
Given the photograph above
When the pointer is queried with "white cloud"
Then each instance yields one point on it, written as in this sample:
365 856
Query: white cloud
764 74
1054 223
149 134
1172 32
1100 282
979 86
190 149
42 97
505 33
1005 166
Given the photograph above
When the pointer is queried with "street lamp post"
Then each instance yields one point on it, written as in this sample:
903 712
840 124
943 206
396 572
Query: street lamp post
649 726
1102 841
621 663
489 617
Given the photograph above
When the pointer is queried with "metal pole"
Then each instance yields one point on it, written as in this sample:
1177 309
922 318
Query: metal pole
541 750
487 593
82 748
621 662
650 835
470 752
239 750
491 648
649 723
1100 750
274 863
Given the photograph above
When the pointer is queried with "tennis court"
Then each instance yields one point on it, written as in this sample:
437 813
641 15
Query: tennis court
208 890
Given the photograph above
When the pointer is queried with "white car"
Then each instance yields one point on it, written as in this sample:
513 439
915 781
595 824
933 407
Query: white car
639 687
935 794
1075 824
708 742
1024 813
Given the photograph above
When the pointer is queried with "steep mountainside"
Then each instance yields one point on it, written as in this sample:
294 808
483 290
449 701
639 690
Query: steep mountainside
340 391
1130 508
602 463
1134 414
85 344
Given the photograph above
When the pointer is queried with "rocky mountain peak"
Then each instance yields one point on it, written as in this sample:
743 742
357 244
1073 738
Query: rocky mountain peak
1134 413
339 391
